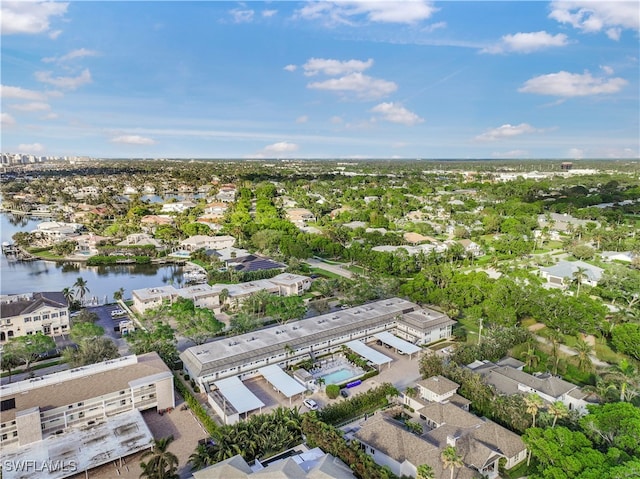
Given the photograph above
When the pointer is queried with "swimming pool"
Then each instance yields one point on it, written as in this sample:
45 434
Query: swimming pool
339 376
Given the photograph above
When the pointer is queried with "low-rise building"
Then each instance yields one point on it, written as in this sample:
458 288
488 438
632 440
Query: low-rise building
243 355
509 380
33 313
47 406
197 242
564 271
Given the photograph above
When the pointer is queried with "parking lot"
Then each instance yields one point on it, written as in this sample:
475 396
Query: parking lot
109 322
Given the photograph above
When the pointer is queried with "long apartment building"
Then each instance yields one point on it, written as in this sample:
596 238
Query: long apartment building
37 408
244 354
33 313
207 296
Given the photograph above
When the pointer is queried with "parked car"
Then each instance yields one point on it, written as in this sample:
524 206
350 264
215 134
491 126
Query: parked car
311 404
344 393
118 312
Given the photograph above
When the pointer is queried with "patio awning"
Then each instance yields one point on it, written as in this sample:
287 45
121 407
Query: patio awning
368 353
281 380
395 342
239 395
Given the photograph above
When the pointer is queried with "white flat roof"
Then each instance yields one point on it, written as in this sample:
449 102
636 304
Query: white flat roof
396 342
79 449
239 395
281 380
368 353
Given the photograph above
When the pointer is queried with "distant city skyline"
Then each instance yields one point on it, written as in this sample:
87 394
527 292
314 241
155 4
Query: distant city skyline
348 79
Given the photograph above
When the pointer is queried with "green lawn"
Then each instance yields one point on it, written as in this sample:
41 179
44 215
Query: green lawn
324 273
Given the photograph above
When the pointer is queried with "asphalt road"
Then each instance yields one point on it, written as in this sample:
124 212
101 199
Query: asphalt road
332 268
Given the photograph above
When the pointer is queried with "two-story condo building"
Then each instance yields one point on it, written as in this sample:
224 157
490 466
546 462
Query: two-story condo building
243 355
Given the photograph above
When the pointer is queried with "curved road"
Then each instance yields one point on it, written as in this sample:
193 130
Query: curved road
332 268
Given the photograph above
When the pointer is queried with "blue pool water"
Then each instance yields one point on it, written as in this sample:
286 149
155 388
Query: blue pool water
339 376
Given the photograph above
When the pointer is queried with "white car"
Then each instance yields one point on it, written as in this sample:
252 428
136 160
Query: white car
118 312
311 404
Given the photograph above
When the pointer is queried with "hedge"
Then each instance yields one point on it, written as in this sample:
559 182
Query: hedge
201 413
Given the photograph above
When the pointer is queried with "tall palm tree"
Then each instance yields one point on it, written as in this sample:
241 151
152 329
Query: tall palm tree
558 410
554 338
579 275
533 403
584 350
450 459
81 286
162 464
425 471
530 357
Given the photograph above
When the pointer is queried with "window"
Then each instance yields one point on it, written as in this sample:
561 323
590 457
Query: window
27 320
7 404
63 313
54 315
123 402
36 318
45 316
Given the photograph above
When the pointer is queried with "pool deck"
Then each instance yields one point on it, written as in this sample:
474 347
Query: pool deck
334 365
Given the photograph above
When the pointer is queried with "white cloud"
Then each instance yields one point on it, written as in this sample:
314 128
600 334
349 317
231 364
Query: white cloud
576 153
68 83
334 67
567 84
242 15
133 140
434 26
302 119
30 148
527 42
32 106
21 93
606 69
269 13
364 87
72 55
280 148
50 116
55 34
291 68
349 11
7 120
592 17
506 131
336 120
396 113
29 17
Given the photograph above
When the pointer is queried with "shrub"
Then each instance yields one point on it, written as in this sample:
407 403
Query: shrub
332 391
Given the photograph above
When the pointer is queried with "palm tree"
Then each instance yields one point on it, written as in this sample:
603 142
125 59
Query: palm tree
68 295
554 338
625 374
450 459
558 410
584 350
533 403
162 464
201 458
119 294
81 286
579 275
425 472
601 389
223 296
530 357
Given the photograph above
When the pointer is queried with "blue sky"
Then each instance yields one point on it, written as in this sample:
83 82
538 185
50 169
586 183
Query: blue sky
347 79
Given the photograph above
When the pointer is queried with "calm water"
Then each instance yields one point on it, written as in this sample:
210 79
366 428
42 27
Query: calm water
23 277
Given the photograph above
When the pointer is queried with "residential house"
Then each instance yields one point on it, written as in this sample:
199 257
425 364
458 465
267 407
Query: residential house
56 231
623 256
177 207
298 463
87 245
140 239
227 193
565 271
194 243
510 380
32 313
149 223
471 247
299 216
